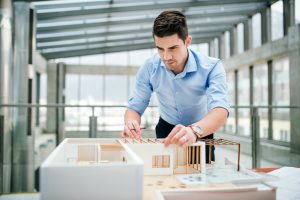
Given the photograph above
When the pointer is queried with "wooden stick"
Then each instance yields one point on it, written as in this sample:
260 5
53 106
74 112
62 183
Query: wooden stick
210 152
193 157
176 162
239 151
187 158
200 159
197 157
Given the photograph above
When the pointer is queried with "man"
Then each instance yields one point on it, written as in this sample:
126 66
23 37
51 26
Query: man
190 87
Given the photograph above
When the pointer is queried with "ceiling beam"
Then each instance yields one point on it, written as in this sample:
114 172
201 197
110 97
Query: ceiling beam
103 50
213 21
30 0
226 12
89 43
66 4
141 7
132 40
202 12
192 32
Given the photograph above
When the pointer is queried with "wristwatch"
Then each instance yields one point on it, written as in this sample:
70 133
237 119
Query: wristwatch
197 130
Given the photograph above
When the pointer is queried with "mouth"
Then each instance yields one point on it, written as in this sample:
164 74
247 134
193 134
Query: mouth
170 62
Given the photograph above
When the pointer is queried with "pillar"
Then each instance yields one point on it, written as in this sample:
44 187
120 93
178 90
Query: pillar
56 95
248 34
212 48
6 62
222 46
233 41
266 25
22 140
288 15
294 58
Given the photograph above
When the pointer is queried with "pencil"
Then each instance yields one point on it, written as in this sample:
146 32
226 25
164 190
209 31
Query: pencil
142 128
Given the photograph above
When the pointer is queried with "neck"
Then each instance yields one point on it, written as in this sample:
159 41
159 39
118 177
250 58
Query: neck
181 67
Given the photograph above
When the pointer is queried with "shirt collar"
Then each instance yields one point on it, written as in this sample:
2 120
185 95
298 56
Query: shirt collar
190 66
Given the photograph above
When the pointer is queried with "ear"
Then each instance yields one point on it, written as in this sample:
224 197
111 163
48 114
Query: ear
188 41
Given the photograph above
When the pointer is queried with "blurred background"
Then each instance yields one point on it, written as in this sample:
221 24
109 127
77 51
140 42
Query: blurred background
67 69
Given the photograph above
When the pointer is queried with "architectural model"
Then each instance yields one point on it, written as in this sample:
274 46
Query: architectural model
140 169
159 160
113 168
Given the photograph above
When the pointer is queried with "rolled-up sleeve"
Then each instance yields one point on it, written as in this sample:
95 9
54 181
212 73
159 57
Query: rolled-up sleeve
217 95
140 98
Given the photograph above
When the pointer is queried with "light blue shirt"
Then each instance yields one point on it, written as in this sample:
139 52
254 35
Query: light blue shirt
184 98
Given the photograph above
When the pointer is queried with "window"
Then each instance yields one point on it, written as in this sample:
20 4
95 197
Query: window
264 133
161 161
283 135
256 27
277 20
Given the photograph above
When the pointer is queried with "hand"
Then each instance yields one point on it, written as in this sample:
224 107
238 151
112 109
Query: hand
131 129
180 135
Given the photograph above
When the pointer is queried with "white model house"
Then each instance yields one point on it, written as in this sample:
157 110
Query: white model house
159 160
112 168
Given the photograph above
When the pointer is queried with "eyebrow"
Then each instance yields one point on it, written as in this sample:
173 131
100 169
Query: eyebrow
171 47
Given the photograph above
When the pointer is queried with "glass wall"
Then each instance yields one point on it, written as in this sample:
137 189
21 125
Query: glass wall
240 38
281 96
277 20
137 58
256 30
260 95
82 90
104 90
203 48
43 100
243 99
297 11
230 124
227 44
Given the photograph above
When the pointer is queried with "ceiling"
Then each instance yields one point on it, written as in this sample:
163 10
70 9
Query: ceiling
68 28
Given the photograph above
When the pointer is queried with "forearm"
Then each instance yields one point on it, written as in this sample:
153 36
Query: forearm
213 121
131 115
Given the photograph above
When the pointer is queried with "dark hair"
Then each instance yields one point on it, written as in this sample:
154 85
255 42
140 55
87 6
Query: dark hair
170 22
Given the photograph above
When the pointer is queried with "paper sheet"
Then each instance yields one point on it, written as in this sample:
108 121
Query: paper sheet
288 185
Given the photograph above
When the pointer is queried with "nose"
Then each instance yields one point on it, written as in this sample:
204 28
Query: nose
167 55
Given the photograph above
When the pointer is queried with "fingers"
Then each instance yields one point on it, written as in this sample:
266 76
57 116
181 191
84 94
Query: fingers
181 136
185 143
128 132
178 137
136 130
131 129
174 131
123 134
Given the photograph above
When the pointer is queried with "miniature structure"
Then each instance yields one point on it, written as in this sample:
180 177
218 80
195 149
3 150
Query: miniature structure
212 142
90 168
159 160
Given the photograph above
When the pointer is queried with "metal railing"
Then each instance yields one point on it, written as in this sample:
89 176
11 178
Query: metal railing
93 125
255 128
93 118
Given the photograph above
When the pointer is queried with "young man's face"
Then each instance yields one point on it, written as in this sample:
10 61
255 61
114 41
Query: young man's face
173 51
